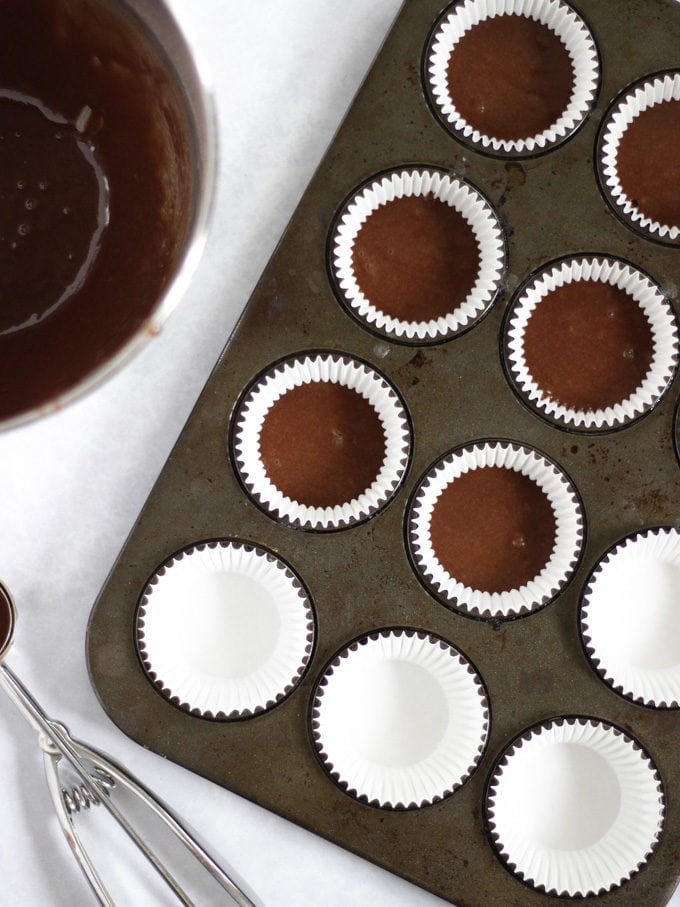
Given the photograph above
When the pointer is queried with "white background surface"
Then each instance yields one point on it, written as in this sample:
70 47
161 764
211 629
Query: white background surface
71 486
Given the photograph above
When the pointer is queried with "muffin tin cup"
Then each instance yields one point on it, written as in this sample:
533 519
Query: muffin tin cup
400 718
225 629
304 369
575 807
630 617
642 95
560 18
569 531
450 190
642 291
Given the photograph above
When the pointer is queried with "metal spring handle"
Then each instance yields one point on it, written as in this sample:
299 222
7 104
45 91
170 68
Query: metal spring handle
97 776
80 797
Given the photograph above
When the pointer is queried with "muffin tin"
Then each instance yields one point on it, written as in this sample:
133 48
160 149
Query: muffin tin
365 616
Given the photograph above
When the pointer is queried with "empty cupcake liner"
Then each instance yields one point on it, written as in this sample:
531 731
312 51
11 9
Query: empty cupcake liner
449 190
630 617
225 629
304 369
400 718
649 298
626 108
575 806
569 532
560 18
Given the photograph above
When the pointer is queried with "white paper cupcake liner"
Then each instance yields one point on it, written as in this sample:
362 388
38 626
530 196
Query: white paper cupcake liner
676 431
630 617
644 94
569 532
225 630
575 807
560 18
449 190
304 369
642 291
400 719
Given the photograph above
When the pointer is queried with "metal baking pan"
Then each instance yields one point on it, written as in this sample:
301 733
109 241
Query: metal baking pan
360 579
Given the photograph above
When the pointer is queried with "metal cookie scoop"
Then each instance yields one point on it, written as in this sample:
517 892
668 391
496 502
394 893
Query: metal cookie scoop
93 777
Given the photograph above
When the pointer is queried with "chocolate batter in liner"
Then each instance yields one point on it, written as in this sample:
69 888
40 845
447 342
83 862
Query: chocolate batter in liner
321 441
511 83
591 343
637 161
417 255
495 529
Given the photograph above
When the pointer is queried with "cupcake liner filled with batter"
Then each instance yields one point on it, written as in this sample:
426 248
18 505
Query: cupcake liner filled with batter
591 343
400 719
511 77
495 529
630 617
225 629
637 159
575 807
417 255
321 441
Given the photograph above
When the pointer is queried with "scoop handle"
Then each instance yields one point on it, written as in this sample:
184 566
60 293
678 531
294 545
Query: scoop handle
57 744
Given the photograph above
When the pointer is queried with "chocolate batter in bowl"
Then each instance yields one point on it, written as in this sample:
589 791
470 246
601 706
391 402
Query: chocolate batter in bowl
106 160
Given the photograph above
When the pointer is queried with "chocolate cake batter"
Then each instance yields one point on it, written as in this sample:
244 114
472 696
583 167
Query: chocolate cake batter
493 529
588 345
648 164
416 258
322 444
95 190
510 77
6 622
53 195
